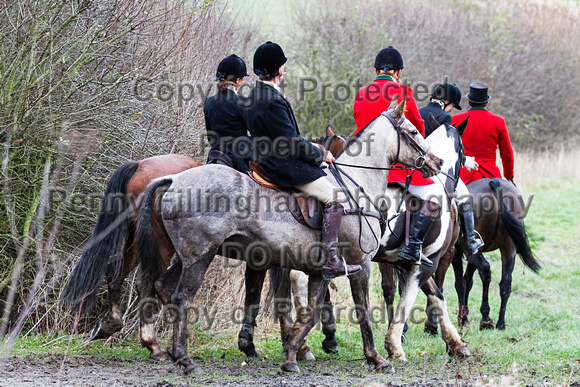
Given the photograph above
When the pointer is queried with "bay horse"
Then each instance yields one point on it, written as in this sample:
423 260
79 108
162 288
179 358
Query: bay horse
194 211
499 211
110 251
445 142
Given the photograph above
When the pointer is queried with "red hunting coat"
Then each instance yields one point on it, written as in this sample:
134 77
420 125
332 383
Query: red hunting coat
485 132
372 100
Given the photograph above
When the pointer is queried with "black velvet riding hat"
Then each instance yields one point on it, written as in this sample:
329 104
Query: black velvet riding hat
269 57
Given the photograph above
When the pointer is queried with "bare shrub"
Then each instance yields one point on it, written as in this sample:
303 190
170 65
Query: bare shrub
70 116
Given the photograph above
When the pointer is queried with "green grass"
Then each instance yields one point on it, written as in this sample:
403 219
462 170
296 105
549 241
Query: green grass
542 336
49 345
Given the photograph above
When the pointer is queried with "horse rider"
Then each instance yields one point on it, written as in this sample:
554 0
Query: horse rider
369 103
227 130
289 159
484 134
445 97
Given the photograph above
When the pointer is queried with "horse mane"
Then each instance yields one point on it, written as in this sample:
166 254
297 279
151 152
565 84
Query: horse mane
354 135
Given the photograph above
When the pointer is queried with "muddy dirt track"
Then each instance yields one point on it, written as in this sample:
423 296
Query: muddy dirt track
94 371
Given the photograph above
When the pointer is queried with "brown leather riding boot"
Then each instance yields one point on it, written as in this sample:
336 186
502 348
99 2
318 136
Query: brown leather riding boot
334 266
420 223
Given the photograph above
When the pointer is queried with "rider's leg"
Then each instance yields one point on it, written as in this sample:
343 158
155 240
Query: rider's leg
421 221
465 207
332 198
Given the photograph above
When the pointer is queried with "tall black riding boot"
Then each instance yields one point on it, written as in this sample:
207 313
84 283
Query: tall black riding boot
468 227
420 223
334 266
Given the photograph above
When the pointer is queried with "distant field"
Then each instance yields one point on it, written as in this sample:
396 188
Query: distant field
272 19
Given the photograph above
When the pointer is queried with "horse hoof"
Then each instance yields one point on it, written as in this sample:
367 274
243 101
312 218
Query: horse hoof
248 348
384 366
307 356
501 327
288 366
431 330
330 346
105 330
463 352
160 356
460 351
189 366
193 369
398 357
485 324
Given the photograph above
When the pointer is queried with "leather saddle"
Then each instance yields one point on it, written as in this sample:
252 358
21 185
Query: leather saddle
305 209
400 229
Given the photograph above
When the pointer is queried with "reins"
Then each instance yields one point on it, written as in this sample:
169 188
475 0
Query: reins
355 209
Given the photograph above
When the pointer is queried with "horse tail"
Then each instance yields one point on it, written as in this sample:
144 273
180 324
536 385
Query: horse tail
147 247
280 285
515 229
108 240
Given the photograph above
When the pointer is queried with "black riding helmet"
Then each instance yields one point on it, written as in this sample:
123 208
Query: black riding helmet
389 59
231 68
269 57
448 92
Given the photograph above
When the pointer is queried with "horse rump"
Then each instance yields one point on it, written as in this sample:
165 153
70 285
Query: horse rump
515 229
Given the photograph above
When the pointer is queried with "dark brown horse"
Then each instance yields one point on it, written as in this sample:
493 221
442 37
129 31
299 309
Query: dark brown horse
110 251
499 211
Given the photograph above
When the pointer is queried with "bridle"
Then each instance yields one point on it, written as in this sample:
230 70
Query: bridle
419 161
338 174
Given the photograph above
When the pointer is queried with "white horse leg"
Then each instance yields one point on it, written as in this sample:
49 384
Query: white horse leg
299 283
454 345
393 343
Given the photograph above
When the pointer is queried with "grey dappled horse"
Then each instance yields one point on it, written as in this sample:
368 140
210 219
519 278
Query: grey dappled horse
195 214
445 143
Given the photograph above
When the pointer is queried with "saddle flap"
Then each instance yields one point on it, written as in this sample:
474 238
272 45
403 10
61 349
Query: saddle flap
306 210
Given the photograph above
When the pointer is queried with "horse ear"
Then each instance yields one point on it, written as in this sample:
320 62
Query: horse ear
329 131
394 103
400 109
433 122
461 127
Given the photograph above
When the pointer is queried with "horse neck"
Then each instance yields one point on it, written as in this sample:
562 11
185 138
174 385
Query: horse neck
375 146
444 147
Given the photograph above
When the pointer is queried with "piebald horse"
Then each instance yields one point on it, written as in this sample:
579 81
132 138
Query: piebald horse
194 211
